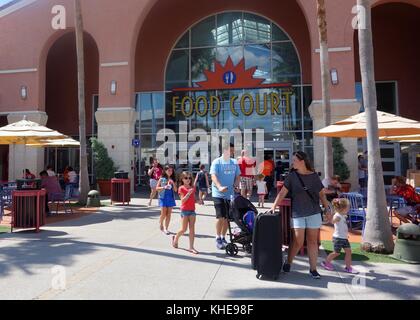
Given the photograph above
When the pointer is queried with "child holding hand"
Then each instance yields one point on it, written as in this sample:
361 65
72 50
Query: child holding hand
340 236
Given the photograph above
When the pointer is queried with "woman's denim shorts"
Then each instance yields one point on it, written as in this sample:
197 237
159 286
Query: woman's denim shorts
310 222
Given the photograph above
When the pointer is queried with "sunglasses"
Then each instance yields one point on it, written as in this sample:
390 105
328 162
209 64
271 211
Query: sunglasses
187 178
297 155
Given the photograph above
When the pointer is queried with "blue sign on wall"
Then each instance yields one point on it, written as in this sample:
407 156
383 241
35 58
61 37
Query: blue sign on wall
136 143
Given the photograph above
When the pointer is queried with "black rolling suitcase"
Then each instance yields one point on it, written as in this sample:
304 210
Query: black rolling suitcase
267 256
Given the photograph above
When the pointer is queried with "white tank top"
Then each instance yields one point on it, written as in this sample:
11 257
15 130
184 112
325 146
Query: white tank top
340 228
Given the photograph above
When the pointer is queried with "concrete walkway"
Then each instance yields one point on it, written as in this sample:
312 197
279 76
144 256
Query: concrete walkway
120 253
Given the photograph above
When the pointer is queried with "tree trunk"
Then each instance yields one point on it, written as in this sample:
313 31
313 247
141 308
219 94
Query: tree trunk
325 81
377 235
84 176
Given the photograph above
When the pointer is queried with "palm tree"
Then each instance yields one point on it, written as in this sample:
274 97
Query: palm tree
377 236
84 177
326 103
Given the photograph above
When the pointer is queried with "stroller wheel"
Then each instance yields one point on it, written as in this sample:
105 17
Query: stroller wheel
248 248
232 249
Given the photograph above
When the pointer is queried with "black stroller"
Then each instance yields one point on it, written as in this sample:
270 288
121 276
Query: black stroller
241 207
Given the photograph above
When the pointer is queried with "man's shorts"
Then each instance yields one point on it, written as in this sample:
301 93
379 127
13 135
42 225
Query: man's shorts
222 207
311 222
340 244
247 183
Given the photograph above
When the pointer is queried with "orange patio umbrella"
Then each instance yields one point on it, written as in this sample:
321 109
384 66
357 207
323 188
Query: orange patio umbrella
355 126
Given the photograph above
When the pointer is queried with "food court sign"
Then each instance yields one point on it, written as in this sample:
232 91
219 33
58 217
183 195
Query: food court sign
231 77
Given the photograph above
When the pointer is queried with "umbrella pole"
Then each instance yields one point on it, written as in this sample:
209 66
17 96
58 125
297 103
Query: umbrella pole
24 159
13 161
56 160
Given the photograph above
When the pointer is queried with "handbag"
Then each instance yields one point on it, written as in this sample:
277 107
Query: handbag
309 194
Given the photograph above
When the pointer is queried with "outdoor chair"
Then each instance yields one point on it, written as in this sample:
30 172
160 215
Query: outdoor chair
395 202
60 198
357 212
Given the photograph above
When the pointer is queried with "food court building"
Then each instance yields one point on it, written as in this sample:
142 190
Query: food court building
200 64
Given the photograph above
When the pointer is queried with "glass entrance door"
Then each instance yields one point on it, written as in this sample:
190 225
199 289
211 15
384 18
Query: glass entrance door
282 159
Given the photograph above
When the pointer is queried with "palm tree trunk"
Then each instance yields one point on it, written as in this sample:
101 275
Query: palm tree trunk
325 81
84 176
377 235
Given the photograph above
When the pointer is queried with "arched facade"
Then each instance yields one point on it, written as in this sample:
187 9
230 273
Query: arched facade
134 42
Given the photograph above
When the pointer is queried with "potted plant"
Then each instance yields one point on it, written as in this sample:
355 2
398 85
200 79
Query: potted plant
340 167
104 166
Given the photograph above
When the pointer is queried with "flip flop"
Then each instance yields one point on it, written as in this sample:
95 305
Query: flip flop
193 251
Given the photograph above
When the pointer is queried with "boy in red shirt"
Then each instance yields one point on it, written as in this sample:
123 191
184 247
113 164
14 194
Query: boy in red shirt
412 210
187 194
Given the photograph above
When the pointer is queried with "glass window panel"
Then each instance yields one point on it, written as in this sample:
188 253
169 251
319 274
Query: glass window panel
177 71
256 29
204 33
388 166
307 101
387 153
386 97
309 139
286 66
229 28
172 120
278 34
201 59
236 54
184 42
259 55
388 180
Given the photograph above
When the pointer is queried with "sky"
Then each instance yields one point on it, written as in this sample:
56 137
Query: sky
3 2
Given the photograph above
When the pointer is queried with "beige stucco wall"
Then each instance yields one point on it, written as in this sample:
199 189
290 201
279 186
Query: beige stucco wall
27 34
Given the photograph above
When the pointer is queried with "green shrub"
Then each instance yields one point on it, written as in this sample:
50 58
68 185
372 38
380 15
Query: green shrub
340 167
104 166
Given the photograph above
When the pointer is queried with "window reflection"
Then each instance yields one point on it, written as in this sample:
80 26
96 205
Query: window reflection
241 36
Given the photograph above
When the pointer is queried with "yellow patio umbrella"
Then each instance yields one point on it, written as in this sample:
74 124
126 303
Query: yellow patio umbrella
355 126
67 142
26 132
407 139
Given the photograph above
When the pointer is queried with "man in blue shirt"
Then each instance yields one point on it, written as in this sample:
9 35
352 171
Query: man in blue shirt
225 175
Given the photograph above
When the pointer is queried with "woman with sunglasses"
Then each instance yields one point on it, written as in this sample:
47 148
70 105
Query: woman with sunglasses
166 188
187 194
306 191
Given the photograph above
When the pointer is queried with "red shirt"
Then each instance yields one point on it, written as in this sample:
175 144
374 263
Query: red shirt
246 165
188 205
409 194
157 173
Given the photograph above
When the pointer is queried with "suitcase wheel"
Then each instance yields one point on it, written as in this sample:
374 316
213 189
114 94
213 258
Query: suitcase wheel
232 249
248 248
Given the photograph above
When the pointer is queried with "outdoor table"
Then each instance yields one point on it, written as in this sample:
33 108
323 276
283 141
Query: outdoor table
120 191
28 209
